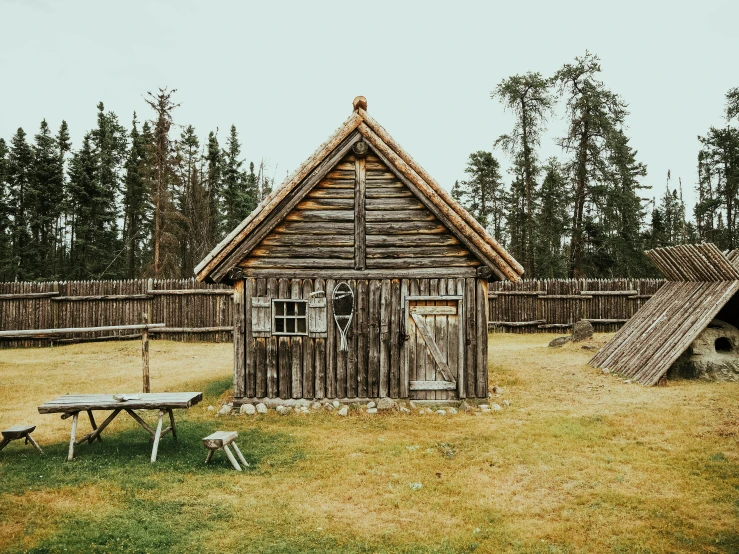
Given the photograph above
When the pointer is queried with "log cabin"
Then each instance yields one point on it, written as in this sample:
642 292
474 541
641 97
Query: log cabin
360 277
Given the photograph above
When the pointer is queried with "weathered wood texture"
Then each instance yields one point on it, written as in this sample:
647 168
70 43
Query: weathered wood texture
191 311
702 283
360 216
539 306
385 351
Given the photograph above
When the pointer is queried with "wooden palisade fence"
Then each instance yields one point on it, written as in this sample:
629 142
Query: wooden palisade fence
553 305
191 311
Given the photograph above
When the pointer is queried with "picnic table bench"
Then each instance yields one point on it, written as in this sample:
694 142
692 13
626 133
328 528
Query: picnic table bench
71 405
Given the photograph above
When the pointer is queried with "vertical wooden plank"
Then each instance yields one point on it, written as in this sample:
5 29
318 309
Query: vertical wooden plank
351 354
331 344
296 349
145 357
481 350
462 350
373 364
385 309
395 330
412 345
272 348
250 288
404 385
360 242
363 329
239 338
260 348
308 362
320 351
471 337
425 360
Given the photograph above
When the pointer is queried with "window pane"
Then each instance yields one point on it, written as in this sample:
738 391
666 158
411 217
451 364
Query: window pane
279 308
279 325
301 308
301 325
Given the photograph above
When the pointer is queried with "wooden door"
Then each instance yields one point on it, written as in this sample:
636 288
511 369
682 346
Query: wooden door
434 346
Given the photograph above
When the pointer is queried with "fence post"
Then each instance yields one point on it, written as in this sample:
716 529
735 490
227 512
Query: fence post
145 353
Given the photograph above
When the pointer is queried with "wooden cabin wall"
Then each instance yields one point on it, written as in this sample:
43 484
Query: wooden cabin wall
361 204
315 367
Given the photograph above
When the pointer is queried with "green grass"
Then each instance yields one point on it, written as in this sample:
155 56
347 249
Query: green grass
578 463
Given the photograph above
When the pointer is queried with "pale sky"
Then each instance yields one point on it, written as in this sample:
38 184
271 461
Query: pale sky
285 73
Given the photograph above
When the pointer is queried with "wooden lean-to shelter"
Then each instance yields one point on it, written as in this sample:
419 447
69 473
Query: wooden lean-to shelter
702 284
359 277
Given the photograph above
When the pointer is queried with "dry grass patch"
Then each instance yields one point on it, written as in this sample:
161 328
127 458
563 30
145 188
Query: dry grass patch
579 462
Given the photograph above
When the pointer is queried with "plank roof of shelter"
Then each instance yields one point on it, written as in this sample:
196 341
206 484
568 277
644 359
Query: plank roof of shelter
700 281
360 126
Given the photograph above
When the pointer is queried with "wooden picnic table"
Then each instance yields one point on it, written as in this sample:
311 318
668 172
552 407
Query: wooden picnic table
70 405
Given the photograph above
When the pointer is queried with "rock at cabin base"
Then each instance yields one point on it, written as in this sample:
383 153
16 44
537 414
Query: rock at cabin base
582 330
464 406
261 408
387 404
559 341
371 410
248 409
404 410
225 410
343 411
336 404
315 406
371 404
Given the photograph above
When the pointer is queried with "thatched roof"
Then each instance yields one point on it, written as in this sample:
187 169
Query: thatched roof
360 126
700 281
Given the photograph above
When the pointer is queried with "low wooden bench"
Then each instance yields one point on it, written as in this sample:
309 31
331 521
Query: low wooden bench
220 441
20 432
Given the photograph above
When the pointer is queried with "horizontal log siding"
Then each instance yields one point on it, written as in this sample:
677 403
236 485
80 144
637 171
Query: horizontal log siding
319 232
566 304
176 311
374 364
401 231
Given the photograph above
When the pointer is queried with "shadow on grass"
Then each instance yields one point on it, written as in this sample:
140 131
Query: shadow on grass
123 459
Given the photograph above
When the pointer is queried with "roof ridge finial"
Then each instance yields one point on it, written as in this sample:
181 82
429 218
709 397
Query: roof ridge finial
360 102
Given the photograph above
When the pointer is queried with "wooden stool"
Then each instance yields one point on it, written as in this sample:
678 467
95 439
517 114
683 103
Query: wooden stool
220 440
20 432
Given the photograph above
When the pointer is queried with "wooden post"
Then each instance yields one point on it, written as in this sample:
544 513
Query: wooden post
145 354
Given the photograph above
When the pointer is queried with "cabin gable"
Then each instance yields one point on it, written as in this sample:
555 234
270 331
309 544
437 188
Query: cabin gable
360 216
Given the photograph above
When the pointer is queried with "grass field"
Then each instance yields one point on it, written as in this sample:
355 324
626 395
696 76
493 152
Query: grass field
579 462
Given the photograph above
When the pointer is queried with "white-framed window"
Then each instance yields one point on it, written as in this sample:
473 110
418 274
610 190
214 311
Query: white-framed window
289 317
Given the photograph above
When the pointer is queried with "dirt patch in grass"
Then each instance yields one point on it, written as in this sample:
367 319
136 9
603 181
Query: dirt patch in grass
579 462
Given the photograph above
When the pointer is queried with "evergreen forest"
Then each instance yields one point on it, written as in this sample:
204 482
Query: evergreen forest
151 198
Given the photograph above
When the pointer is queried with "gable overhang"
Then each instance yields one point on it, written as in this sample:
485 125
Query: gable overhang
217 265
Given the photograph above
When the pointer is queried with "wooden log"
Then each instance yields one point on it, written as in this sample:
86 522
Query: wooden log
609 292
29 295
533 323
385 337
240 291
100 297
360 243
423 273
481 294
220 328
50 332
272 348
496 293
592 320
432 385
363 329
308 361
145 355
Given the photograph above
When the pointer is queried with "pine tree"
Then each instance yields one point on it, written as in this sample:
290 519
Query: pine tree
552 222
109 141
529 98
20 168
214 187
64 144
5 223
482 193
136 205
85 201
192 201
239 199
593 114
165 240
45 199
